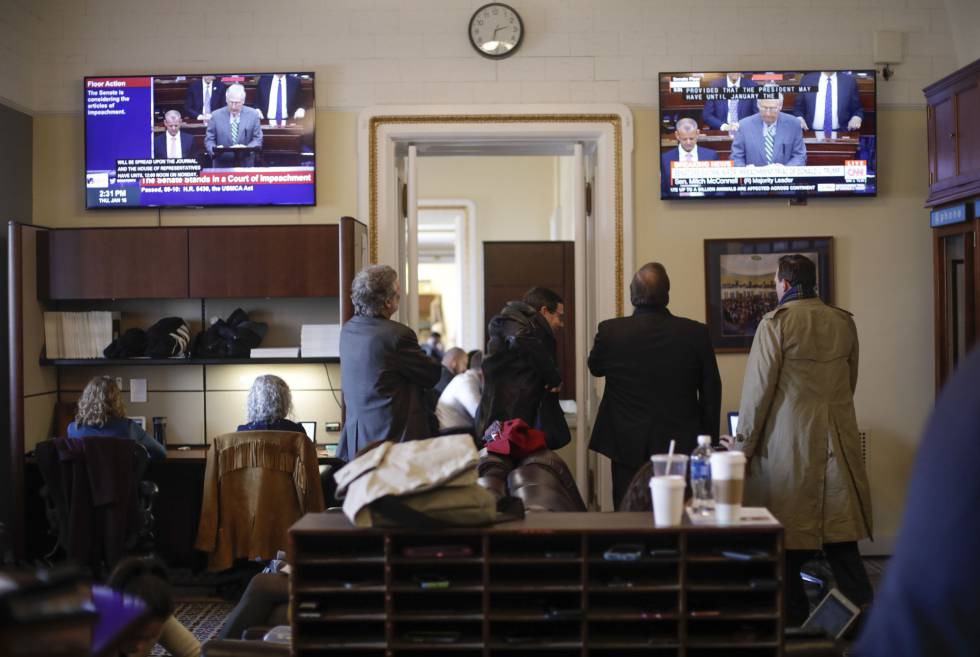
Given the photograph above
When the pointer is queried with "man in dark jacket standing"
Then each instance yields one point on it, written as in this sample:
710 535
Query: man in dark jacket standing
662 380
519 367
382 369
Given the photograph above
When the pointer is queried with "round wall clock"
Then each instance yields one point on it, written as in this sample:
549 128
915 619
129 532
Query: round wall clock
496 30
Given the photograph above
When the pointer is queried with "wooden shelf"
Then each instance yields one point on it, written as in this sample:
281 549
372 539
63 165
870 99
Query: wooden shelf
525 602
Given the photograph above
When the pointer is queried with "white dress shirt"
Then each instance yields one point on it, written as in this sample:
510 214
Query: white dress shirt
682 155
822 100
277 101
173 147
458 402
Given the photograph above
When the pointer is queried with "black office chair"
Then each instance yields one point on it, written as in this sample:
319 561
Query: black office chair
57 496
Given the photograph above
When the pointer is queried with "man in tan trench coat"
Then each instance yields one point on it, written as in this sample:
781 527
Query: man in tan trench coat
797 427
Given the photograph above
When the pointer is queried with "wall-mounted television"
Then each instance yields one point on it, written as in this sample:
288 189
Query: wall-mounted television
214 139
797 134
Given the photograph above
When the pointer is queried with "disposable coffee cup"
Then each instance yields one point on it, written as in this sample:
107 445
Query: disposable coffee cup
160 430
678 465
668 500
727 485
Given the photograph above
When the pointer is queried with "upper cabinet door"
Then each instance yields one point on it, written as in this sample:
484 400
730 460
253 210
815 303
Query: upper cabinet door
264 261
112 263
954 136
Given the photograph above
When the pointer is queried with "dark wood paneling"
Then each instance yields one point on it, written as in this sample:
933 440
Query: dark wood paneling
945 117
512 268
348 264
112 263
968 131
15 348
264 261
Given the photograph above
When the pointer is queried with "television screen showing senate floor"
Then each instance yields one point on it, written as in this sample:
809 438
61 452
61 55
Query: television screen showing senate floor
215 139
767 133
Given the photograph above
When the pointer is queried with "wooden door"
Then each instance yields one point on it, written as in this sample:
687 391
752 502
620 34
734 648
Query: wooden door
944 129
263 261
956 270
511 268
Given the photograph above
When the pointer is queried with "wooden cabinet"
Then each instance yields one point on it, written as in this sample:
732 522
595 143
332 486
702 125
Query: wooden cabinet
112 263
543 585
264 261
953 108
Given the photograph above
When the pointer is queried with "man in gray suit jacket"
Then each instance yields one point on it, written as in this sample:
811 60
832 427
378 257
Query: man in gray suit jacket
383 371
749 146
235 126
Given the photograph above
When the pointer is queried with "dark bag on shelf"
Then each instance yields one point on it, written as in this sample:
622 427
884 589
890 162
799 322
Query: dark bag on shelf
167 338
130 344
233 338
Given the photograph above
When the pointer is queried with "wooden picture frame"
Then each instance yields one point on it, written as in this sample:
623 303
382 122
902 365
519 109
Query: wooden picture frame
743 269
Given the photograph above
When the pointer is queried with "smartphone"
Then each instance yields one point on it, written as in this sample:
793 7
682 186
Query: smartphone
624 552
744 555
431 581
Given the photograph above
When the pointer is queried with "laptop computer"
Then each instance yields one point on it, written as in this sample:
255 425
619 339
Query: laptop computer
833 615
733 423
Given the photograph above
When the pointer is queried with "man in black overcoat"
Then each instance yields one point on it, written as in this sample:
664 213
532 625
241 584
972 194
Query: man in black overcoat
662 381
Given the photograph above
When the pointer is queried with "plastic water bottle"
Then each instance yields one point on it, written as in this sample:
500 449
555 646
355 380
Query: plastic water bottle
703 504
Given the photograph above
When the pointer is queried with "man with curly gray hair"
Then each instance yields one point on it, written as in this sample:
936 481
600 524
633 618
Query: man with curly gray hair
383 371
268 405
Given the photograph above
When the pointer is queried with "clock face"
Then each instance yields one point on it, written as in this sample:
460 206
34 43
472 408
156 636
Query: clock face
496 31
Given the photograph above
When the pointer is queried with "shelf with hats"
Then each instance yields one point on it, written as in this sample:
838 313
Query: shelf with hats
284 275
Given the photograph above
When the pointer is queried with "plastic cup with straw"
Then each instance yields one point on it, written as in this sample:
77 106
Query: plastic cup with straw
667 495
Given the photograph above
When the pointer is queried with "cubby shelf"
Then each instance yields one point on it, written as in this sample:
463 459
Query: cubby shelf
540 587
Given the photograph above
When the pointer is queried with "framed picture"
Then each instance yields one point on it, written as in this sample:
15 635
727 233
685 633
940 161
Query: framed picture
739 283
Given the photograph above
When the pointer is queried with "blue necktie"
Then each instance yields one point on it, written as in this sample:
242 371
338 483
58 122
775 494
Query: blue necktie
732 111
828 109
769 143
234 131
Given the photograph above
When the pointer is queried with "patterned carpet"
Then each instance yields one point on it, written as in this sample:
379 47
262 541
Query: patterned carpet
203 618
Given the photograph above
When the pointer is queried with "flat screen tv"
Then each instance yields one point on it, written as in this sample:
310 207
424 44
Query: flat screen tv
790 134
214 139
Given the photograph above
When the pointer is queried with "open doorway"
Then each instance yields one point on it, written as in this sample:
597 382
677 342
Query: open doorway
597 138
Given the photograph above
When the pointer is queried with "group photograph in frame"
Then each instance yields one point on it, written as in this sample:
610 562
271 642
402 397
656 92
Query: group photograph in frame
739 283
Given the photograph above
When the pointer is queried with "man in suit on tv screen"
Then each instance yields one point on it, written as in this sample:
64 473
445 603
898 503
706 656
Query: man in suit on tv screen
769 137
173 144
687 151
204 96
234 126
725 114
835 105
278 97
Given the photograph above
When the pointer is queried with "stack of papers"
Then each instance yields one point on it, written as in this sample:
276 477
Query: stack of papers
275 352
77 335
320 340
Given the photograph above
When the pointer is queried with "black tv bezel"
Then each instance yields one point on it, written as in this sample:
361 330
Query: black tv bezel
131 208
800 197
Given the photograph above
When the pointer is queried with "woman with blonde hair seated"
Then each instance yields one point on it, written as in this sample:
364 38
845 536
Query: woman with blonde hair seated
101 413
268 405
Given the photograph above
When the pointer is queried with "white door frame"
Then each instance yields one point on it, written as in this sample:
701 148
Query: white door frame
469 265
384 131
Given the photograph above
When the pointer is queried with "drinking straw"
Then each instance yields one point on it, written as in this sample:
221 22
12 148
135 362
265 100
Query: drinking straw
670 455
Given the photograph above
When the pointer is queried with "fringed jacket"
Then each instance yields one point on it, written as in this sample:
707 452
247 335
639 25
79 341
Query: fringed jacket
256 484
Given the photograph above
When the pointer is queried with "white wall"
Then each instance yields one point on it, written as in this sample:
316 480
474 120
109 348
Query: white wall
416 51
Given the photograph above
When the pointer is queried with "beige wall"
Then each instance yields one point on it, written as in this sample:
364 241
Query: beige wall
882 251
514 196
